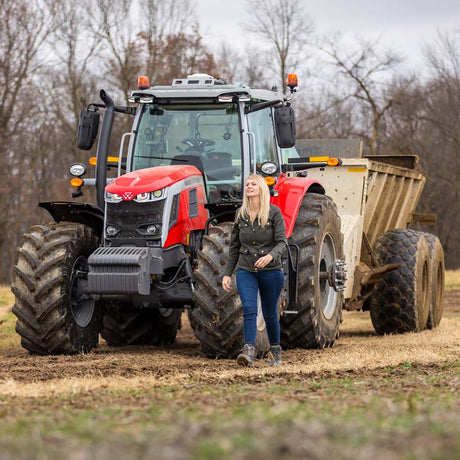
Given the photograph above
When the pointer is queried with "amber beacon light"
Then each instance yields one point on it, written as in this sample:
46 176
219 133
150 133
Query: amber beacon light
143 82
291 81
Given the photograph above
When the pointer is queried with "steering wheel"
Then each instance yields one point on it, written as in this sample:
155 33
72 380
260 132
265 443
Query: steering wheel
199 144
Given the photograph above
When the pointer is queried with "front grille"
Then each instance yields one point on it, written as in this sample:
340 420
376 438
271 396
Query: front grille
129 215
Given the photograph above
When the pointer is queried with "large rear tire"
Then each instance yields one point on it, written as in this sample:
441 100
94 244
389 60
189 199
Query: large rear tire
318 235
217 318
438 274
54 313
401 300
139 326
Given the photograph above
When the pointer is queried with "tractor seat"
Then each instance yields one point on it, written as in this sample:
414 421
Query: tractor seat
219 166
188 160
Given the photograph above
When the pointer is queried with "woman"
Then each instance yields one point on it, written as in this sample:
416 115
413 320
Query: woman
258 240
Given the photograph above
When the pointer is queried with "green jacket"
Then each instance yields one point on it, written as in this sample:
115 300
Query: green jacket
249 242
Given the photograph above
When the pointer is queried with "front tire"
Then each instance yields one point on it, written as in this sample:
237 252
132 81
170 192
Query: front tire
401 299
318 235
54 313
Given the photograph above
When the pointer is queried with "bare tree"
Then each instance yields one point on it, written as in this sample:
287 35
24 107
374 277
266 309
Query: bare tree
72 65
440 117
24 27
364 67
286 29
160 19
23 30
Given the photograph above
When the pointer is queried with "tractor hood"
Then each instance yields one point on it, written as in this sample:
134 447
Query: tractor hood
150 179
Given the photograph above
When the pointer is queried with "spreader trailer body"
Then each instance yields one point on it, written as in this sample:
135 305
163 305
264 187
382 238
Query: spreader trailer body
395 272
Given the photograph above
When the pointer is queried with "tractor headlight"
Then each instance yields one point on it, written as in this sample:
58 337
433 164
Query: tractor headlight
77 169
149 196
112 197
142 197
111 230
149 229
269 168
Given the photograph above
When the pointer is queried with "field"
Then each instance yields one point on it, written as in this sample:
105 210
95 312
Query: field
367 397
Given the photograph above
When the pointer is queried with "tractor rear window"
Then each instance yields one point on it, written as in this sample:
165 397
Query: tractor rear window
206 136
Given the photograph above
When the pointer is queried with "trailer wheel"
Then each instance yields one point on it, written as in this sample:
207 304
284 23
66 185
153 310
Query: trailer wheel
401 300
217 318
140 326
54 313
437 280
317 234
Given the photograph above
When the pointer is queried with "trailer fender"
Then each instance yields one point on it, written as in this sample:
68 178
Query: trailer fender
291 191
81 213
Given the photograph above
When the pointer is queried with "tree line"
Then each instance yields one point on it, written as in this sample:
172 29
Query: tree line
56 55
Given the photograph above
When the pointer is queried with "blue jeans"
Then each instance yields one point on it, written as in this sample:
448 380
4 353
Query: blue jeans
269 284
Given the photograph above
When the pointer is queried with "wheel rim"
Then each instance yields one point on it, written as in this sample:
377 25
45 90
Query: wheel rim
439 288
328 295
423 295
82 305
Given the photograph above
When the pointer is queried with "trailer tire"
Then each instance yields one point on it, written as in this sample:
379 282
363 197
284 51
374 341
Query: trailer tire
54 315
401 299
438 273
217 318
124 325
318 235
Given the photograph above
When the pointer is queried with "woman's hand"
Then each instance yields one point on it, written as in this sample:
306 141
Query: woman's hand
263 261
226 283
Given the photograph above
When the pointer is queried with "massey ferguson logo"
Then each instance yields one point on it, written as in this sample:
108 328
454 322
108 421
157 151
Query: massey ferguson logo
127 196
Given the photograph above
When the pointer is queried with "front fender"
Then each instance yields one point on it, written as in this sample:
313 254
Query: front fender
81 213
291 191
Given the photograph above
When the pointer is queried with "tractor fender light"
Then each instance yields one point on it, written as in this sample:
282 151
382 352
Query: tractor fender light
93 160
334 162
270 180
76 182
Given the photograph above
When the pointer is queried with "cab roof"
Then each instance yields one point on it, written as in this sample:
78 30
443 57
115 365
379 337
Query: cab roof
204 87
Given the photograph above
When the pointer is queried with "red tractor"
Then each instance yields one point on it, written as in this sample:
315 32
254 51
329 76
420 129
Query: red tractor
155 243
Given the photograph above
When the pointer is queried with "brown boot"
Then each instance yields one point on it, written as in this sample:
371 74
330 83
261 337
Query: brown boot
246 357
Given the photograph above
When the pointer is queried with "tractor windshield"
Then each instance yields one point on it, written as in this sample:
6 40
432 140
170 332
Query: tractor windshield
206 136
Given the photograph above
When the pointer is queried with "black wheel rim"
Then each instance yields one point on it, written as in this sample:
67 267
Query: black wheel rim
82 304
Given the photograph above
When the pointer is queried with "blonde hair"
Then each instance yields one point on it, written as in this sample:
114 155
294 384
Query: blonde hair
264 199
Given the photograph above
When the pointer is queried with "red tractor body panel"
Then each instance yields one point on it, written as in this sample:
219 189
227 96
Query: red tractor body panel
186 221
146 180
190 216
291 191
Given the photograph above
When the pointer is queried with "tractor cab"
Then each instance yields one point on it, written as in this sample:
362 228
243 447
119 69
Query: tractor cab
225 131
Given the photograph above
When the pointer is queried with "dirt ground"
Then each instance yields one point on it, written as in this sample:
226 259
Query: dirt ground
369 396
358 349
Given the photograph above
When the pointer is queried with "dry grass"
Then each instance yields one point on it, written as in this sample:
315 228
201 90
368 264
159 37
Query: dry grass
452 279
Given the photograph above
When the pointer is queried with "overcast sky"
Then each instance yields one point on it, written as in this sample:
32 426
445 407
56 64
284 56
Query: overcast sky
403 24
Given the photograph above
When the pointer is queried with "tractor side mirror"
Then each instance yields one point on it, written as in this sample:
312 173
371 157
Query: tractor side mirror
285 126
88 126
